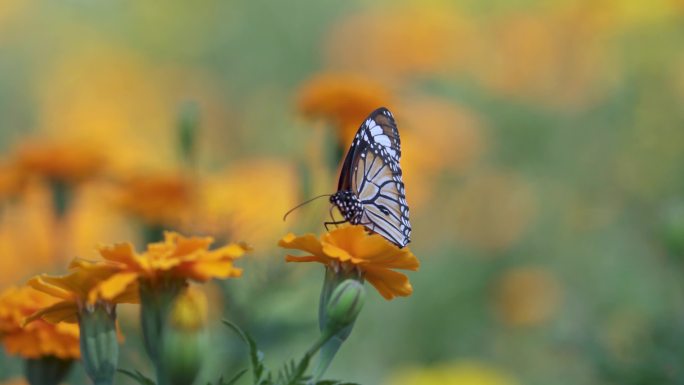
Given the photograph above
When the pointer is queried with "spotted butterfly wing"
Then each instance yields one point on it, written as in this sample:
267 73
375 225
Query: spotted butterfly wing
370 190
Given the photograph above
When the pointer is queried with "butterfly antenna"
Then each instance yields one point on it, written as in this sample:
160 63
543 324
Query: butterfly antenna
303 203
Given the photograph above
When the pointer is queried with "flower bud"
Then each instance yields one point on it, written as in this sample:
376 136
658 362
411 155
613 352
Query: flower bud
99 344
184 339
345 304
155 303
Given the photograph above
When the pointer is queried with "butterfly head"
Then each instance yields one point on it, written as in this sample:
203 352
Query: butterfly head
348 204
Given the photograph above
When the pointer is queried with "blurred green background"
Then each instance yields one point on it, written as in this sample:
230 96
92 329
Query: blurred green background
543 153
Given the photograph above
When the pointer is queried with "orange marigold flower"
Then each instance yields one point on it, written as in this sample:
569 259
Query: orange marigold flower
65 162
159 199
351 247
77 290
343 100
12 180
177 257
38 338
527 296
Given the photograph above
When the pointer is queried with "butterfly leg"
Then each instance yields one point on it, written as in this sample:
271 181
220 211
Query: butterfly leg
326 224
332 221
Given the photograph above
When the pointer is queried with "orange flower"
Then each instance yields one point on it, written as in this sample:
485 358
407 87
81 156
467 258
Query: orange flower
403 40
175 257
38 338
65 162
157 199
11 180
77 290
527 296
342 100
231 204
351 247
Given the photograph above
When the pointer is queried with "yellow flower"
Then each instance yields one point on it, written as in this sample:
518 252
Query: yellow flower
177 257
459 373
38 338
159 199
77 290
63 161
352 248
342 100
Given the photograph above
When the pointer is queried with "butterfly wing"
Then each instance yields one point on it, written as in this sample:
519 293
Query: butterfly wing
371 170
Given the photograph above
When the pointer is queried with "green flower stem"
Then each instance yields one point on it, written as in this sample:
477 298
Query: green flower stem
328 351
98 341
61 197
188 125
333 334
152 233
46 370
156 300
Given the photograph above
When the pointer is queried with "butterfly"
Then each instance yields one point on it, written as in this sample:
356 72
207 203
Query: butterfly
370 191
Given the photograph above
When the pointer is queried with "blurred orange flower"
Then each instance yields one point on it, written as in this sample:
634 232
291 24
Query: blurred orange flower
351 247
60 161
559 58
177 257
343 100
38 338
77 290
436 136
231 204
527 296
401 41
11 181
158 199
493 210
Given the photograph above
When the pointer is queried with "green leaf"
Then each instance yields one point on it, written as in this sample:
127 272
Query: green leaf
294 374
234 379
256 355
335 382
141 378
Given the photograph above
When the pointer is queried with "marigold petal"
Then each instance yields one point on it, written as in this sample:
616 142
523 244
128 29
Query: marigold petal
338 253
389 283
307 242
309 258
119 252
46 285
130 295
187 245
347 238
233 250
113 286
65 311
205 270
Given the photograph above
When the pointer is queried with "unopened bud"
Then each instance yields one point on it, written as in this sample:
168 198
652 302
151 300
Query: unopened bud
345 304
99 344
184 339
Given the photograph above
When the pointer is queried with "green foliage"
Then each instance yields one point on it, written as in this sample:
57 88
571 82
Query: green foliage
232 381
292 373
138 377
